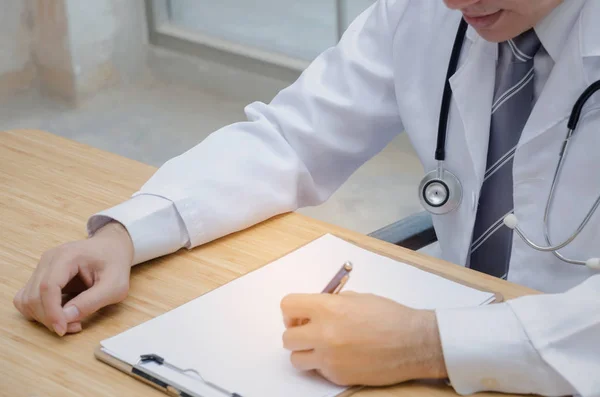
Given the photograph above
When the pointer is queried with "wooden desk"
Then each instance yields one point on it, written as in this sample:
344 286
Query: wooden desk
49 186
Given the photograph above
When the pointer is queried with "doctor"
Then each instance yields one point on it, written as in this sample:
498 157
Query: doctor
521 67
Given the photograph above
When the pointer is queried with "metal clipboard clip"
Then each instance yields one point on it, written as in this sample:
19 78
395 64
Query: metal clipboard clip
139 370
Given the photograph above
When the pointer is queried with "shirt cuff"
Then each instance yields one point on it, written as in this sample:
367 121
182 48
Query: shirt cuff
153 223
486 349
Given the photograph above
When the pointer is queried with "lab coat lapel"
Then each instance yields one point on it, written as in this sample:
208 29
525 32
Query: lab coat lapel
472 92
472 89
570 76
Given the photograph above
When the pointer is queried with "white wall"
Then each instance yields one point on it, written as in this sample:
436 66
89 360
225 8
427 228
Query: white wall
16 66
74 47
108 42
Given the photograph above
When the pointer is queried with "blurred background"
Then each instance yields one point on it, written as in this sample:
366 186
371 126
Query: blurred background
150 79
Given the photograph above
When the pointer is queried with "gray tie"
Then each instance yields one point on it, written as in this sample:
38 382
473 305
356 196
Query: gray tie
513 101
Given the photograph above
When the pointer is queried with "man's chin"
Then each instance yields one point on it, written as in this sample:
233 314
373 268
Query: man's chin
498 35
493 36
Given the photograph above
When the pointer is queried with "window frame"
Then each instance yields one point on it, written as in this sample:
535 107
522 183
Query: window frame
163 33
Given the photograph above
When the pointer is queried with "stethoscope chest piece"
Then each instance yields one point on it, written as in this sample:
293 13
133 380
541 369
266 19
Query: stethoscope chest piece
440 192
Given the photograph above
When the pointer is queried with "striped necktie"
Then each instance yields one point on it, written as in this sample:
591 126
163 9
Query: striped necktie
513 101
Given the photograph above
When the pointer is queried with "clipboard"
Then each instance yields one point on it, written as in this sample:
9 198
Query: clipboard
164 385
150 363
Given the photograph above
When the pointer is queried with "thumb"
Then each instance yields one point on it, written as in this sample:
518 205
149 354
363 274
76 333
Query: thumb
103 293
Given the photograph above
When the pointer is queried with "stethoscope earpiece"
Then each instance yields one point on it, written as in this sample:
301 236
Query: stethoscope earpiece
593 263
511 221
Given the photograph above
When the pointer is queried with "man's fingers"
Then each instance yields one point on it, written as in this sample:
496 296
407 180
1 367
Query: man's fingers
18 303
103 293
74 328
58 274
32 303
304 360
51 297
29 301
305 337
294 322
302 306
27 311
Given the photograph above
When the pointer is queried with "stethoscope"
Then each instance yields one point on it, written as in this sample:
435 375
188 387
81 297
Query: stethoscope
440 192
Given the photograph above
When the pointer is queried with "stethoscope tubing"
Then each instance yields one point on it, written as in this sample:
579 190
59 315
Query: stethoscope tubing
511 221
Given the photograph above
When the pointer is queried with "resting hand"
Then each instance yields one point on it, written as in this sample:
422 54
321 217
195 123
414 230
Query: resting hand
97 269
361 339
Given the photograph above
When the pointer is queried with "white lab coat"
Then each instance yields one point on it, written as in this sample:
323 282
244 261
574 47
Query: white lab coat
386 76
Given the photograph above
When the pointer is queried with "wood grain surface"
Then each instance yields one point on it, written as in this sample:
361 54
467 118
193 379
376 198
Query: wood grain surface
49 186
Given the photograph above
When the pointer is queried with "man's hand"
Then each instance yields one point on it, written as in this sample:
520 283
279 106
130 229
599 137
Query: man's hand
96 270
361 339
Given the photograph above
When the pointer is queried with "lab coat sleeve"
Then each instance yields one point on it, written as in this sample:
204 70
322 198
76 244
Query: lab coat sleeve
291 153
542 344
152 222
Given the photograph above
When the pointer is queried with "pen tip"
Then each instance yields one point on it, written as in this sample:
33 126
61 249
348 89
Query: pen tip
348 266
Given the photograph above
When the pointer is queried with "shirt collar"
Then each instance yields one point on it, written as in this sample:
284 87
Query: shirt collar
553 31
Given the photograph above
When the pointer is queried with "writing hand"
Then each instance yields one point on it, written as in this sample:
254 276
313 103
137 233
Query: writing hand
361 339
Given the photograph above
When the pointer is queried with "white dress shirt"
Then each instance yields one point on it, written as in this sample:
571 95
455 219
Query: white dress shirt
485 348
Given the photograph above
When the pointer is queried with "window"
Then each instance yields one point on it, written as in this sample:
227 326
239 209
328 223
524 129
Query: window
288 33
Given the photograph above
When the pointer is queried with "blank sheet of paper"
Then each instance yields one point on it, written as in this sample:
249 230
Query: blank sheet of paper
232 335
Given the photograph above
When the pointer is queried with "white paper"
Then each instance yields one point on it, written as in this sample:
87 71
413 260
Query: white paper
232 335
